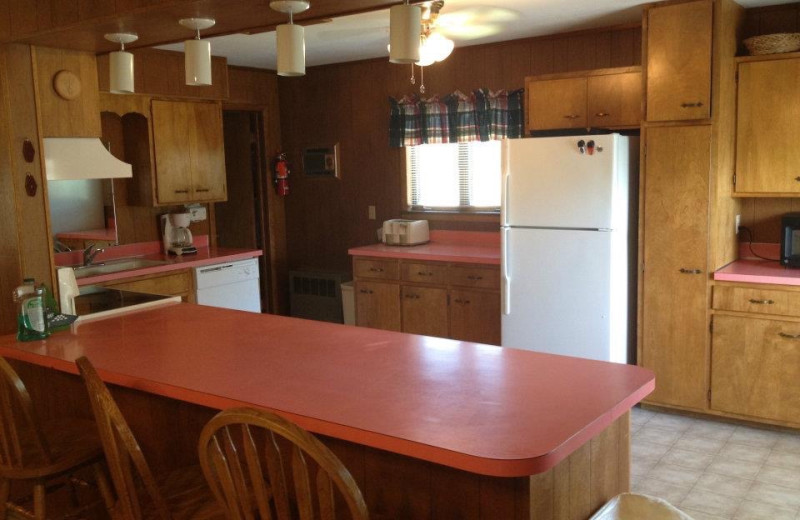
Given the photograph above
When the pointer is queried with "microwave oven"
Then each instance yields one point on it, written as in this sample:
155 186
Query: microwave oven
790 240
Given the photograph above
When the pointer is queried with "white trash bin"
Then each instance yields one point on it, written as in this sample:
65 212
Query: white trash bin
348 303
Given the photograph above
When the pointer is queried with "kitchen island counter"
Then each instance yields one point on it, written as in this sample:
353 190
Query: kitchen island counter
483 409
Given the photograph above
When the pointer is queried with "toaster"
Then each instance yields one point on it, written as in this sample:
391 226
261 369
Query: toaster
402 232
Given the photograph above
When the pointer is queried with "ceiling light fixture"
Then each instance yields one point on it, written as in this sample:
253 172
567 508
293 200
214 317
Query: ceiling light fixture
197 52
120 64
291 38
405 27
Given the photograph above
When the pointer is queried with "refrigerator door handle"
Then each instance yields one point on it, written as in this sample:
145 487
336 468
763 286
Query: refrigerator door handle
505 288
504 193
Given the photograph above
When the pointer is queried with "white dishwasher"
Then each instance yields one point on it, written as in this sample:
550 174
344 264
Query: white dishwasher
232 285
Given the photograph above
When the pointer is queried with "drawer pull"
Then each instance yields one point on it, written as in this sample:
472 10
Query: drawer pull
789 336
690 271
412 296
572 116
181 191
474 277
202 190
459 300
376 269
692 105
797 179
602 114
424 273
366 291
762 302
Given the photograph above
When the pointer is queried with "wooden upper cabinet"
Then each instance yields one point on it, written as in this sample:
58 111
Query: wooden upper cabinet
556 103
674 322
67 93
679 61
768 128
189 152
615 100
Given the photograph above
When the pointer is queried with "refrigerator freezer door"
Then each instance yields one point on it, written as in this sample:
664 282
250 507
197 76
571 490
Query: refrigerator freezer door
548 182
563 295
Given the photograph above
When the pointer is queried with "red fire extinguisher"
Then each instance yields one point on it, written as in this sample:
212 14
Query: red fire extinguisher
281 174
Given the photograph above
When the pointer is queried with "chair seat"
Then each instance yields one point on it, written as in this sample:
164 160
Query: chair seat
187 495
73 443
631 506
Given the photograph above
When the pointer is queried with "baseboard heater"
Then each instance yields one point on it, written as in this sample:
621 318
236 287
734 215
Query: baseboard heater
316 295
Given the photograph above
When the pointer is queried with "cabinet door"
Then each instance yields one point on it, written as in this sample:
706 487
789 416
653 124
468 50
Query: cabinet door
475 316
755 368
172 124
615 100
679 61
378 305
768 127
425 311
556 103
207 153
674 325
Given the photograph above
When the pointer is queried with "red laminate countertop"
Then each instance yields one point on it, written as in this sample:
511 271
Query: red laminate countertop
758 271
484 409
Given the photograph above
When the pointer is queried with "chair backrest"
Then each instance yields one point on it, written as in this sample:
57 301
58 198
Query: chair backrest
22 441
244 466
123 454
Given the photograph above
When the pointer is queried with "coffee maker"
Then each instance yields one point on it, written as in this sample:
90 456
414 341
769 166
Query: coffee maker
177 237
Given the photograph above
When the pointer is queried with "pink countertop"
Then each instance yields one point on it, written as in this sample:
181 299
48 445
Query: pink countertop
152 251
479 408
445 246
751 269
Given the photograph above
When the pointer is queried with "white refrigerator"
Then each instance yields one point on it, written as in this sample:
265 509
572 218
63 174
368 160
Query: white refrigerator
564 221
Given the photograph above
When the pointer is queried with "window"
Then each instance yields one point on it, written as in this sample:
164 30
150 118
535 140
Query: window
454 176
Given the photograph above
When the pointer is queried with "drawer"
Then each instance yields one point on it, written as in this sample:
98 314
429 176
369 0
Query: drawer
372 268
424 273
757 300
479 277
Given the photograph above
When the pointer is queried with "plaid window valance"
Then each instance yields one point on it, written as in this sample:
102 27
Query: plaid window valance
482 115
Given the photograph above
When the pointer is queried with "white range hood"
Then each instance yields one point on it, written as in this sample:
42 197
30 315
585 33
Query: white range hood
75 158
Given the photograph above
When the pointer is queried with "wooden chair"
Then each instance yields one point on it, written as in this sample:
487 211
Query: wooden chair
247 473
44 454
181 494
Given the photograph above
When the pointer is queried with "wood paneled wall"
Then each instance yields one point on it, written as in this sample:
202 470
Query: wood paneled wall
348 103
763 215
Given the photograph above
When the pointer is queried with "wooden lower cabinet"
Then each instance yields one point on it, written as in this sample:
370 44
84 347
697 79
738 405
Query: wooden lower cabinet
755 368
439 299
179 283
474 316
378 305
424 310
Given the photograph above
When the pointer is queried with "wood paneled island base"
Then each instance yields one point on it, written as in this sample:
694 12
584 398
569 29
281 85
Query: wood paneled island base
430 428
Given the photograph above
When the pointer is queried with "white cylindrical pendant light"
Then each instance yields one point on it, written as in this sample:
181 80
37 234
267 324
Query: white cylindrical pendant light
291 50
197 62
197 52
405 27
120 64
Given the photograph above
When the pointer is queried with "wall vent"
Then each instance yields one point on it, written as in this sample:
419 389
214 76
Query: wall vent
316 295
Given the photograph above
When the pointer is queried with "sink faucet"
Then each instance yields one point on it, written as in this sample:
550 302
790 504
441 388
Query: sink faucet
89 253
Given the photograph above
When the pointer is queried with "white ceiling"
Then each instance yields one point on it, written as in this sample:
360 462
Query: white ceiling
364 36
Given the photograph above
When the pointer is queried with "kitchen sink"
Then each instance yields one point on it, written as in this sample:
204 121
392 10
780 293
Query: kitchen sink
115 266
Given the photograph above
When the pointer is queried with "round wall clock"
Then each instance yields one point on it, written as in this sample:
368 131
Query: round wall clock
67 84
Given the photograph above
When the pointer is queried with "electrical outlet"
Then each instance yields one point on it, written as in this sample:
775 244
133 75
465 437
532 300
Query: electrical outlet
738 223
371 211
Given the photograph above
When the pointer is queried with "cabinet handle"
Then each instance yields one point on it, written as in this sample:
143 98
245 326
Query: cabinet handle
459 300
692 105
181 191
761 302
789 336
797 179
412 296
572 116
474 277
690 271
376 269
366 291
424 273
602 114
202 190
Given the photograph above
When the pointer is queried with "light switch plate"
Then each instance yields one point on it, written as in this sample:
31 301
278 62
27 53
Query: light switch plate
371 210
